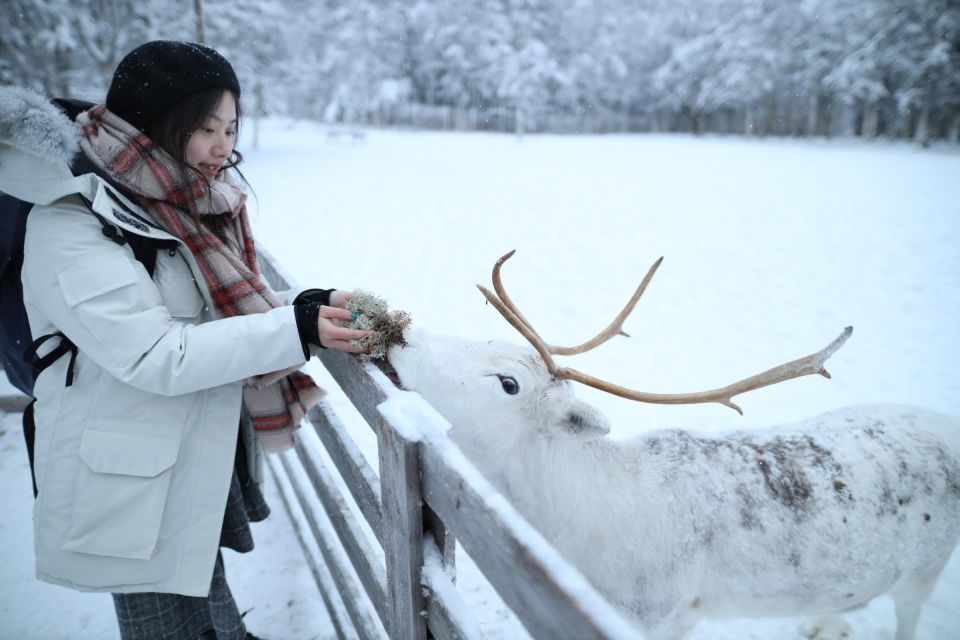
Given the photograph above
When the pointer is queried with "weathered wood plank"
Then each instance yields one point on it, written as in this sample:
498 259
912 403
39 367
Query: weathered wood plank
448 616
441 622
363 483
364 619
364 384
14 403
276 276
514 557
321 576
403 535
365 559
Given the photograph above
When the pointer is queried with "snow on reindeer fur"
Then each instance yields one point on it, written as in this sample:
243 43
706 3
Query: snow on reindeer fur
674 526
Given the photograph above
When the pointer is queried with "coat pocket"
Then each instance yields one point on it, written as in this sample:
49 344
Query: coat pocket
95 274
121 493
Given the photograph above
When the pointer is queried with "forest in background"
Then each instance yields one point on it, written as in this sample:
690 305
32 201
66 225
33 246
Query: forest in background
755 67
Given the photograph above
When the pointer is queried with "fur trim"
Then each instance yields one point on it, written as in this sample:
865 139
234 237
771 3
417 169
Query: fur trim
30 123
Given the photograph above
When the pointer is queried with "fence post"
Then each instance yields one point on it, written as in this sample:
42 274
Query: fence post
402 498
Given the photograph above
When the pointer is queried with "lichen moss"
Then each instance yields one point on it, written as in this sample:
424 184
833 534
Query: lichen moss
375 315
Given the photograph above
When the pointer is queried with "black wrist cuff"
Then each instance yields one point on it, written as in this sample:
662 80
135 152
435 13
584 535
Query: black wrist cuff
307 315
317 296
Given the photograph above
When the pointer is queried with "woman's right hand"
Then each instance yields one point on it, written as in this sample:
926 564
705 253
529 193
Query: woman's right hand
333 336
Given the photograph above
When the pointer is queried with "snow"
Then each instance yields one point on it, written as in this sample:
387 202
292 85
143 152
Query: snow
771 248
406 412
439 581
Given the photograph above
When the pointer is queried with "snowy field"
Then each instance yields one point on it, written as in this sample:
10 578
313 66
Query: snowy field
771 247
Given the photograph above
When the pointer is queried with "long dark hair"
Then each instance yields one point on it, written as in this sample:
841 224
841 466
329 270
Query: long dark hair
171 132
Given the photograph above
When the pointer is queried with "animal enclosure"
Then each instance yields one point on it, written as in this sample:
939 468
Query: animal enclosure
393 573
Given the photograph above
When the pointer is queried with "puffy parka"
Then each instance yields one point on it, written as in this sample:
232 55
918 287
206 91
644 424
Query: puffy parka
133 460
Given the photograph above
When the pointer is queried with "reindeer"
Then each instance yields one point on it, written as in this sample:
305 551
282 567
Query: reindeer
673 526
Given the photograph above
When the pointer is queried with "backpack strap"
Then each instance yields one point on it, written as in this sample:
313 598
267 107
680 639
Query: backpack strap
144 249
29 435
41 363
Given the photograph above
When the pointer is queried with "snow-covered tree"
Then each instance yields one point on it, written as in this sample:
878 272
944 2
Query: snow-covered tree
789 67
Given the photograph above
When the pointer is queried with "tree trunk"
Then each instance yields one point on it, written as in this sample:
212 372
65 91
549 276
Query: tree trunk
61 62
106 71
792 118
813 113
771 123
871 121
953 134
198 13
922 133
257 113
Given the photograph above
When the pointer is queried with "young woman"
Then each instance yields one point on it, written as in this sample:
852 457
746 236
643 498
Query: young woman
175 375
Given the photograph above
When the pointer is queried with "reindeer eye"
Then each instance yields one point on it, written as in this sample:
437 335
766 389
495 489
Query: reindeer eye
509 385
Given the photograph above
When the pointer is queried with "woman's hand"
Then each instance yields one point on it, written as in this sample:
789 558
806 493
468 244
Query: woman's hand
332 335
340 298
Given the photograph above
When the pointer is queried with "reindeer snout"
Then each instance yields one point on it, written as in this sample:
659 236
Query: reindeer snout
403 358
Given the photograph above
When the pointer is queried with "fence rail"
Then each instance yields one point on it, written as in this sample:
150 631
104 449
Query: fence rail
389 572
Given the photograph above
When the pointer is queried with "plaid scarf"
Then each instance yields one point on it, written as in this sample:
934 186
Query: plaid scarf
276 401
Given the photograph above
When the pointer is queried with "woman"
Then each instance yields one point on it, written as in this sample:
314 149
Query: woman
149 436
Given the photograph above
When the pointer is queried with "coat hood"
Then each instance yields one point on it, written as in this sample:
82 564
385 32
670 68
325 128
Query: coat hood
37 144
29 122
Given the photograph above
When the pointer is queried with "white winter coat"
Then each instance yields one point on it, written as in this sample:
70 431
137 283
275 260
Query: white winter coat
133 461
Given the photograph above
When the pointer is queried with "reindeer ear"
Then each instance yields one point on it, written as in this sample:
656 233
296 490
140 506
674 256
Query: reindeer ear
584 422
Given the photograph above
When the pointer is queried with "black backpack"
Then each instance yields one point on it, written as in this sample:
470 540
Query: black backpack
15 336
17 346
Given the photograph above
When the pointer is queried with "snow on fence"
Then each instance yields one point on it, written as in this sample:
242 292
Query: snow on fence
399 580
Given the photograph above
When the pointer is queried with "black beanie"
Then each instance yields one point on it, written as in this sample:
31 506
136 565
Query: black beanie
156 76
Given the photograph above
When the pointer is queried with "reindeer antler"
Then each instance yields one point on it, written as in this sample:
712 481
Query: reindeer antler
812 364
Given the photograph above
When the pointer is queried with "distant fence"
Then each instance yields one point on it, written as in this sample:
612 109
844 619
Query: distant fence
821 118
392 574
502 119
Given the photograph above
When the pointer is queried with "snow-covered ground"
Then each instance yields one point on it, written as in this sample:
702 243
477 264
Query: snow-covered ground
771 247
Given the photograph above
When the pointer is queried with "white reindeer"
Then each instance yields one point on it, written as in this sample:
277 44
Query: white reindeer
815 518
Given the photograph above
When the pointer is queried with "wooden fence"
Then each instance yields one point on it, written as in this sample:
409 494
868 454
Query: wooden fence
370 569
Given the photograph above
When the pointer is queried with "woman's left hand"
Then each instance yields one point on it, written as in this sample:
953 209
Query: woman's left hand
334 336
340 298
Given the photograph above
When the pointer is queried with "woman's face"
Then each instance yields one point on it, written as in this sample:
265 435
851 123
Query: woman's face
211 144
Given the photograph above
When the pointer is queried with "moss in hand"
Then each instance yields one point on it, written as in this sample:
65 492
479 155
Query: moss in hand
375 315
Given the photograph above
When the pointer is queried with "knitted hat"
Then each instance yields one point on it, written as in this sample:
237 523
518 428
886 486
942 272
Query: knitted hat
156 76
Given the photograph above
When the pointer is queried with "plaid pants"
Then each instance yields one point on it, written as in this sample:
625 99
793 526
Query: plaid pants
170 616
